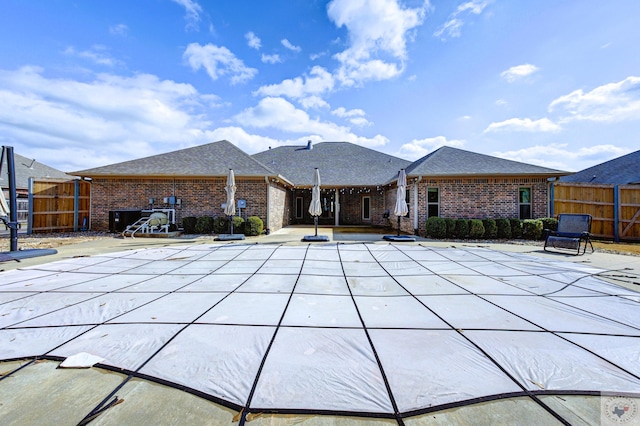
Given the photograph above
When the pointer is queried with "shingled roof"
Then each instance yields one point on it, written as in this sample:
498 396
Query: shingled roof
212 159
340 164
26 168
619 171
448 161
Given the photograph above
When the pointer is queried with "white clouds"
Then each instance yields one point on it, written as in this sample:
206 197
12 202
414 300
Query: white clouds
277 113
613 102
378 32
355 116
253 41
218 62
286 43
318 81
453 26
119 30
418 148
559 155
271 59
97 54
193 10
313 102
519 72
524 125
110 117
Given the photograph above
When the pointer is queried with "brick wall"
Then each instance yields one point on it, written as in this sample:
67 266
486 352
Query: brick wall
351 200
199 197
406 222
280 207
479 198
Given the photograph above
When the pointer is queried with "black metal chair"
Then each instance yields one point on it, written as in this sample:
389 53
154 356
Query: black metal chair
574 233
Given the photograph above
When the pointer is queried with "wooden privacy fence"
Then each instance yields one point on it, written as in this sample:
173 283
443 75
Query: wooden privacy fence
57 205
615 209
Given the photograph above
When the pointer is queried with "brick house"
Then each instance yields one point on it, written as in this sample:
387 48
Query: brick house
358 184
195 178
455 183
353 178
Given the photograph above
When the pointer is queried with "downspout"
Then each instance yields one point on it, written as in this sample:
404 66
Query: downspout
415 205
266 226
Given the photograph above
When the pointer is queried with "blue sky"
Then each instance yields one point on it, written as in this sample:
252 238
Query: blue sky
548 82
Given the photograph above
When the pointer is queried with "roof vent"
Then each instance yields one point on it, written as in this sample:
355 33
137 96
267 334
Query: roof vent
309 147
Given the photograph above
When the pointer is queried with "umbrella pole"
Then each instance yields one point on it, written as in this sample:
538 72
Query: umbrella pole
316 221
398 226
230 226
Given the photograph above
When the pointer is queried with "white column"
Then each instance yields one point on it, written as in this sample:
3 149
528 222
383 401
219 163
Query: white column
336 211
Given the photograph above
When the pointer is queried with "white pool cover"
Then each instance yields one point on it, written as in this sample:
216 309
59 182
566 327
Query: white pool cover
377 330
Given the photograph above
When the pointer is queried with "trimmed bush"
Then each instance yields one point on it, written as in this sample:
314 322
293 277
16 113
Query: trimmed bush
221 225
490 228
476 229
516 228
204 225
238 225
451 227
253 226
532 229
436 227
549 223
189 224
503 228
462 228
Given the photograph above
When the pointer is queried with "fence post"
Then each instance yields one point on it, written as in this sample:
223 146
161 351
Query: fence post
30 214
76 204
551 199
616 213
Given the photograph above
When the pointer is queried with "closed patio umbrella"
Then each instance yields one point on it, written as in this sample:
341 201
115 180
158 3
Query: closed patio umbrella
401 208
315 208
230 207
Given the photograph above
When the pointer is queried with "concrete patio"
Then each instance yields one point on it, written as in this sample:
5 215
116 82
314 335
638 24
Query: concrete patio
355 331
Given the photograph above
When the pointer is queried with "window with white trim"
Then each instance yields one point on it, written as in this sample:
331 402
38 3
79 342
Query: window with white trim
433 202
524 203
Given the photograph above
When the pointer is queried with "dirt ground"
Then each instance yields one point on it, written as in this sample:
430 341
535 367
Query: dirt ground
59 239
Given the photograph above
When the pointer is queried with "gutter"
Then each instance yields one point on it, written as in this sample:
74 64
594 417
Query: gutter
266 225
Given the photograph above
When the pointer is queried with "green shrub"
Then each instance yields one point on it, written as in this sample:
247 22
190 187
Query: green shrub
436 227
462 228
189 224
532 229
451 227
204 225
503 228
516 228
476 229
490 228
221 225
549 223
253 226
238 225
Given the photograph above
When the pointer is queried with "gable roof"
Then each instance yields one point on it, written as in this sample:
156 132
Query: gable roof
29 168
619 171
448 161
339 163
212 159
